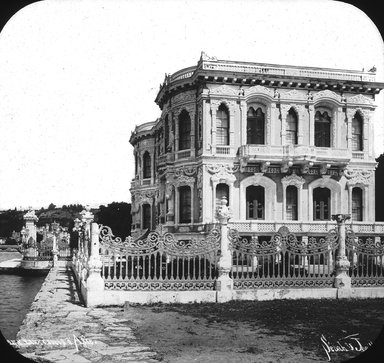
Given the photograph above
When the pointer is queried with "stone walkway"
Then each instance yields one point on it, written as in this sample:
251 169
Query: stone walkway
60 329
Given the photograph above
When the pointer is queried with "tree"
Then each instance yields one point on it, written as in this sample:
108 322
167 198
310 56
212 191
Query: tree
51 206
117 216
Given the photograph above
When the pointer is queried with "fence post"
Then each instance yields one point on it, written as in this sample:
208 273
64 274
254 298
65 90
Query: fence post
55 251
95 283
342 280
224 284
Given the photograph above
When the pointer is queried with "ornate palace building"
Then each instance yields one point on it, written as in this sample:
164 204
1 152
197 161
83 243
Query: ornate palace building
283 144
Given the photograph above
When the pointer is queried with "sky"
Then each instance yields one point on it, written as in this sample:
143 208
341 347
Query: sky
76 76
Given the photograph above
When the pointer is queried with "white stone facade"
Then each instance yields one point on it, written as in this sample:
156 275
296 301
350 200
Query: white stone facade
279 142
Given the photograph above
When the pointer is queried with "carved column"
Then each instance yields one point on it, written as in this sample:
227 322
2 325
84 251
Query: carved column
192 115
268 136
334 129
206 126
301 122
273 122
232 128
340 127
366 131
214 107
350 114
311 113
175 121
243 122
342 279
283 116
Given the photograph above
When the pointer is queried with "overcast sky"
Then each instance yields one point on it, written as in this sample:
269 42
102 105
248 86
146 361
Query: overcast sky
77 76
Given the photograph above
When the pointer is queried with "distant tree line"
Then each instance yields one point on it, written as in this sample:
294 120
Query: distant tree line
116 215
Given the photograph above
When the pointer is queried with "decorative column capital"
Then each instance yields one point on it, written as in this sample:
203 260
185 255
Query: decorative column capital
30 216
340 218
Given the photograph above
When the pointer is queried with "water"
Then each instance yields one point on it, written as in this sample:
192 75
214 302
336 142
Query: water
17 295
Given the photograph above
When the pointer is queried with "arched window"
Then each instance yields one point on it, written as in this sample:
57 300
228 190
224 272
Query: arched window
184 131
222 190
357 133
255 202
322 129
146 221
146 165
357 204
255 126
166 133
222 126
185 204
291 128
291 203
321 204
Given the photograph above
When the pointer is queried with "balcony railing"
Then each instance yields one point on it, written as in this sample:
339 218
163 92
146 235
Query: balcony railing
282 70
294 152
268 227
183 154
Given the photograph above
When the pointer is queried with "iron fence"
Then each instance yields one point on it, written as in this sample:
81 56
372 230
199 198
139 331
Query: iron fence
282 260
365 254
159 262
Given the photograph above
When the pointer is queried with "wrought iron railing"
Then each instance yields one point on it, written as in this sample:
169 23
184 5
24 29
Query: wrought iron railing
366 256
283 260
159 262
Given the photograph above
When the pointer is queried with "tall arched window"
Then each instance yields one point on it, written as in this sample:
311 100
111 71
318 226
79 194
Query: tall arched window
146 221
255 202
357 204
291 203
322 129
185 204
222 190
357 133
255 126
291 128
222 125
184 131
321 204
146 165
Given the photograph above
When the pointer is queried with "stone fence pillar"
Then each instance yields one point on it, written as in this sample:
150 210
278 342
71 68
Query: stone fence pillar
94 281
224 284
30 225
342 279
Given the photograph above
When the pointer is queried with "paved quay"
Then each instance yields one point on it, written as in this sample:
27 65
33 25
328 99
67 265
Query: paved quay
59 328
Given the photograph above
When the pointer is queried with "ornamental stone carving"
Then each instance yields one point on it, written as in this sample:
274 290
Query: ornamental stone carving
223 90
293 94
327 94
259 90
358 176
293 179
360 100
222 173
184 97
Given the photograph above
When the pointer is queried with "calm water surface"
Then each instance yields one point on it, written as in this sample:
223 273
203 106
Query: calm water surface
17 294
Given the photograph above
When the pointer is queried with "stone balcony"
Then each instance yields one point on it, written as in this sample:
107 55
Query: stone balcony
298 154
